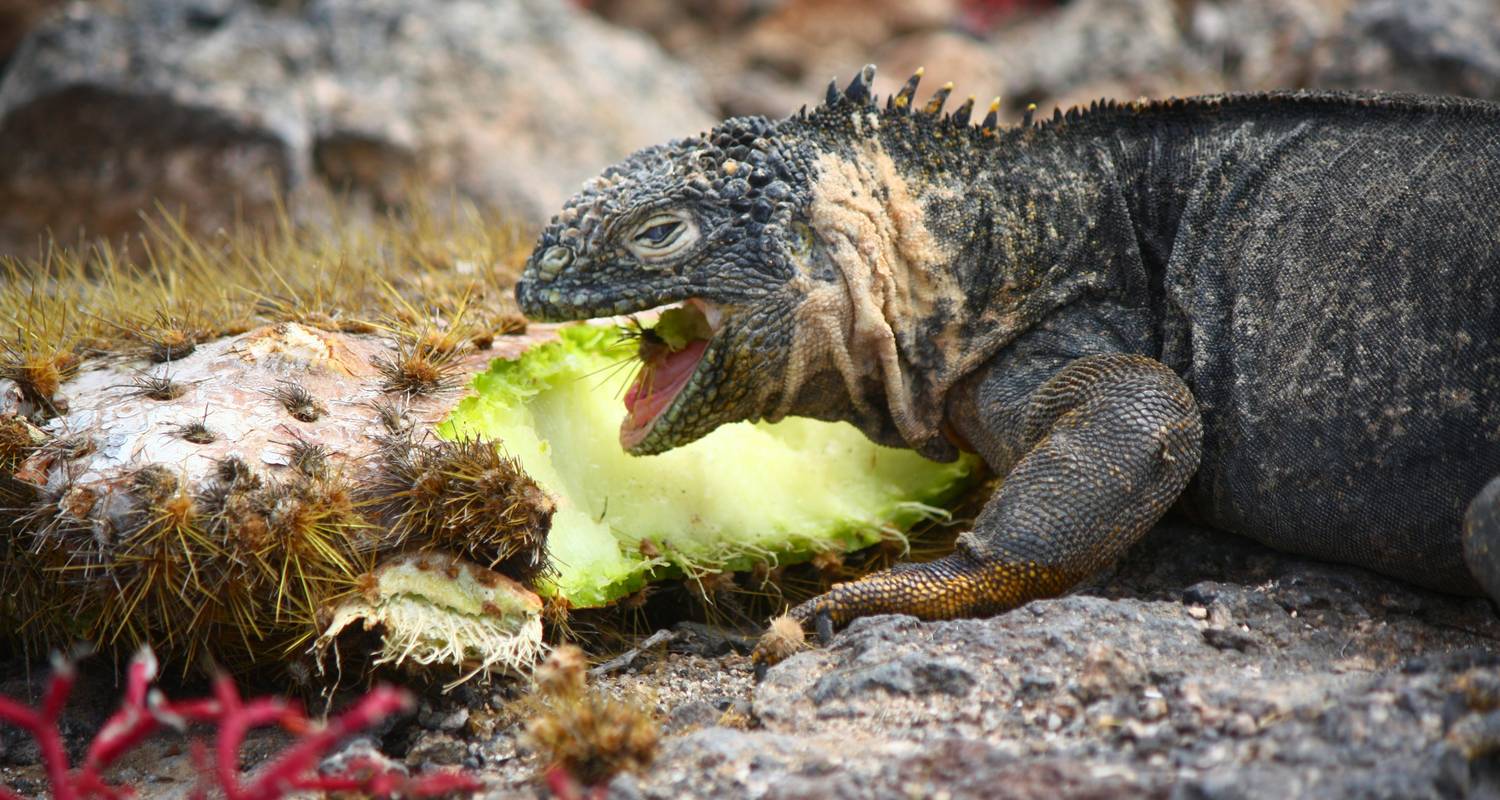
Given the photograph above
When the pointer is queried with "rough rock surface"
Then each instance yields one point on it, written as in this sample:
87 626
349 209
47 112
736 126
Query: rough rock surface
16 20
770 57
216 106
1206 666
1443 45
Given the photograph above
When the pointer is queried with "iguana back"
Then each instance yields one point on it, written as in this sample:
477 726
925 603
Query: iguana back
1330 292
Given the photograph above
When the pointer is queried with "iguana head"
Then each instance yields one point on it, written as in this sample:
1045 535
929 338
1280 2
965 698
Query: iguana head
735 225
712 222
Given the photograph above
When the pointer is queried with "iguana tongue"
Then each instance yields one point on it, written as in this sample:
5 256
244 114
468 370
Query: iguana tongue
660 381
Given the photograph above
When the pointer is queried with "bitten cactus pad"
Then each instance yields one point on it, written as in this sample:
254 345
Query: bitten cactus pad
743 495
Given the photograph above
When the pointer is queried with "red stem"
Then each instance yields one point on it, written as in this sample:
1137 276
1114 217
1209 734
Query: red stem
235 720
141 714
42 725
282 775
130 725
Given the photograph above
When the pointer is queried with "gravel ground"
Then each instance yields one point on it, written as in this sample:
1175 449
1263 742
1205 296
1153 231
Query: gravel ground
1204 666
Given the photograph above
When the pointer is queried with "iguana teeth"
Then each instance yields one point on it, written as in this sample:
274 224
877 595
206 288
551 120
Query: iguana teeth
711 312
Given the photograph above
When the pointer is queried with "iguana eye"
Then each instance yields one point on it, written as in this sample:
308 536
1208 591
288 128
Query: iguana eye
662 235
657 234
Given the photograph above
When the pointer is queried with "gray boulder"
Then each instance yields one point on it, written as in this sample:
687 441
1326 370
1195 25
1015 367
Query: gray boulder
217 107
1440 46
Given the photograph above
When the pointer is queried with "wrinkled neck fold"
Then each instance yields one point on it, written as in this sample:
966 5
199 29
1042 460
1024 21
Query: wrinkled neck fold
893 289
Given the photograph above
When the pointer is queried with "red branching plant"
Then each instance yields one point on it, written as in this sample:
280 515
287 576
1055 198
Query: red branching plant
563 786
144 711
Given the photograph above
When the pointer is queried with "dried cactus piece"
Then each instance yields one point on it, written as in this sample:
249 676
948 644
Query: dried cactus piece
434 608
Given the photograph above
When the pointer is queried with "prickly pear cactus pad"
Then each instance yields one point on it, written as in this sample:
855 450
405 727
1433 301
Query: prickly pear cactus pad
242 514
224 448
743 495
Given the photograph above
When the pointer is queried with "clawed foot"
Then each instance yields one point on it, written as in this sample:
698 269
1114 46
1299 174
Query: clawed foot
786 634
951 586
783 637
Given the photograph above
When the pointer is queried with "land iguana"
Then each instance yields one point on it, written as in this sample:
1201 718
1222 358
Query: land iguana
1279 311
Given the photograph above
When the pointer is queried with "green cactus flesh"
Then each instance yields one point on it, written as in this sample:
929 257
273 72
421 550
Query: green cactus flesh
745 494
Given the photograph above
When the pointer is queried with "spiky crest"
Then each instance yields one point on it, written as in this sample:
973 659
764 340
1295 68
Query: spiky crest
1109 111
991 119
901 101
961 114
935 105
859 88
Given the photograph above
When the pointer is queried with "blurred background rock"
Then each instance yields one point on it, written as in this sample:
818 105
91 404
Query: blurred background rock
219 109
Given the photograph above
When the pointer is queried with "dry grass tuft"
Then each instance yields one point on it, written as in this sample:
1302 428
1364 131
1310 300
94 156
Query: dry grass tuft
590 736
158 297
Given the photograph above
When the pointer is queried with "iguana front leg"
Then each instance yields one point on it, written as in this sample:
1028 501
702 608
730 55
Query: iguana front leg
1109 442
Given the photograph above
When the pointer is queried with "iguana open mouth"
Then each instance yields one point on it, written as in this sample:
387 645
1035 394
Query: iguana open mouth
670 352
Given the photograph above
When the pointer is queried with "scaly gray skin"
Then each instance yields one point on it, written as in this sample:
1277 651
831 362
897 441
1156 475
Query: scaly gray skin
1279 311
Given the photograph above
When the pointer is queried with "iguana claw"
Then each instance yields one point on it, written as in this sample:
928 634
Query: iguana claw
783 637
823 621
